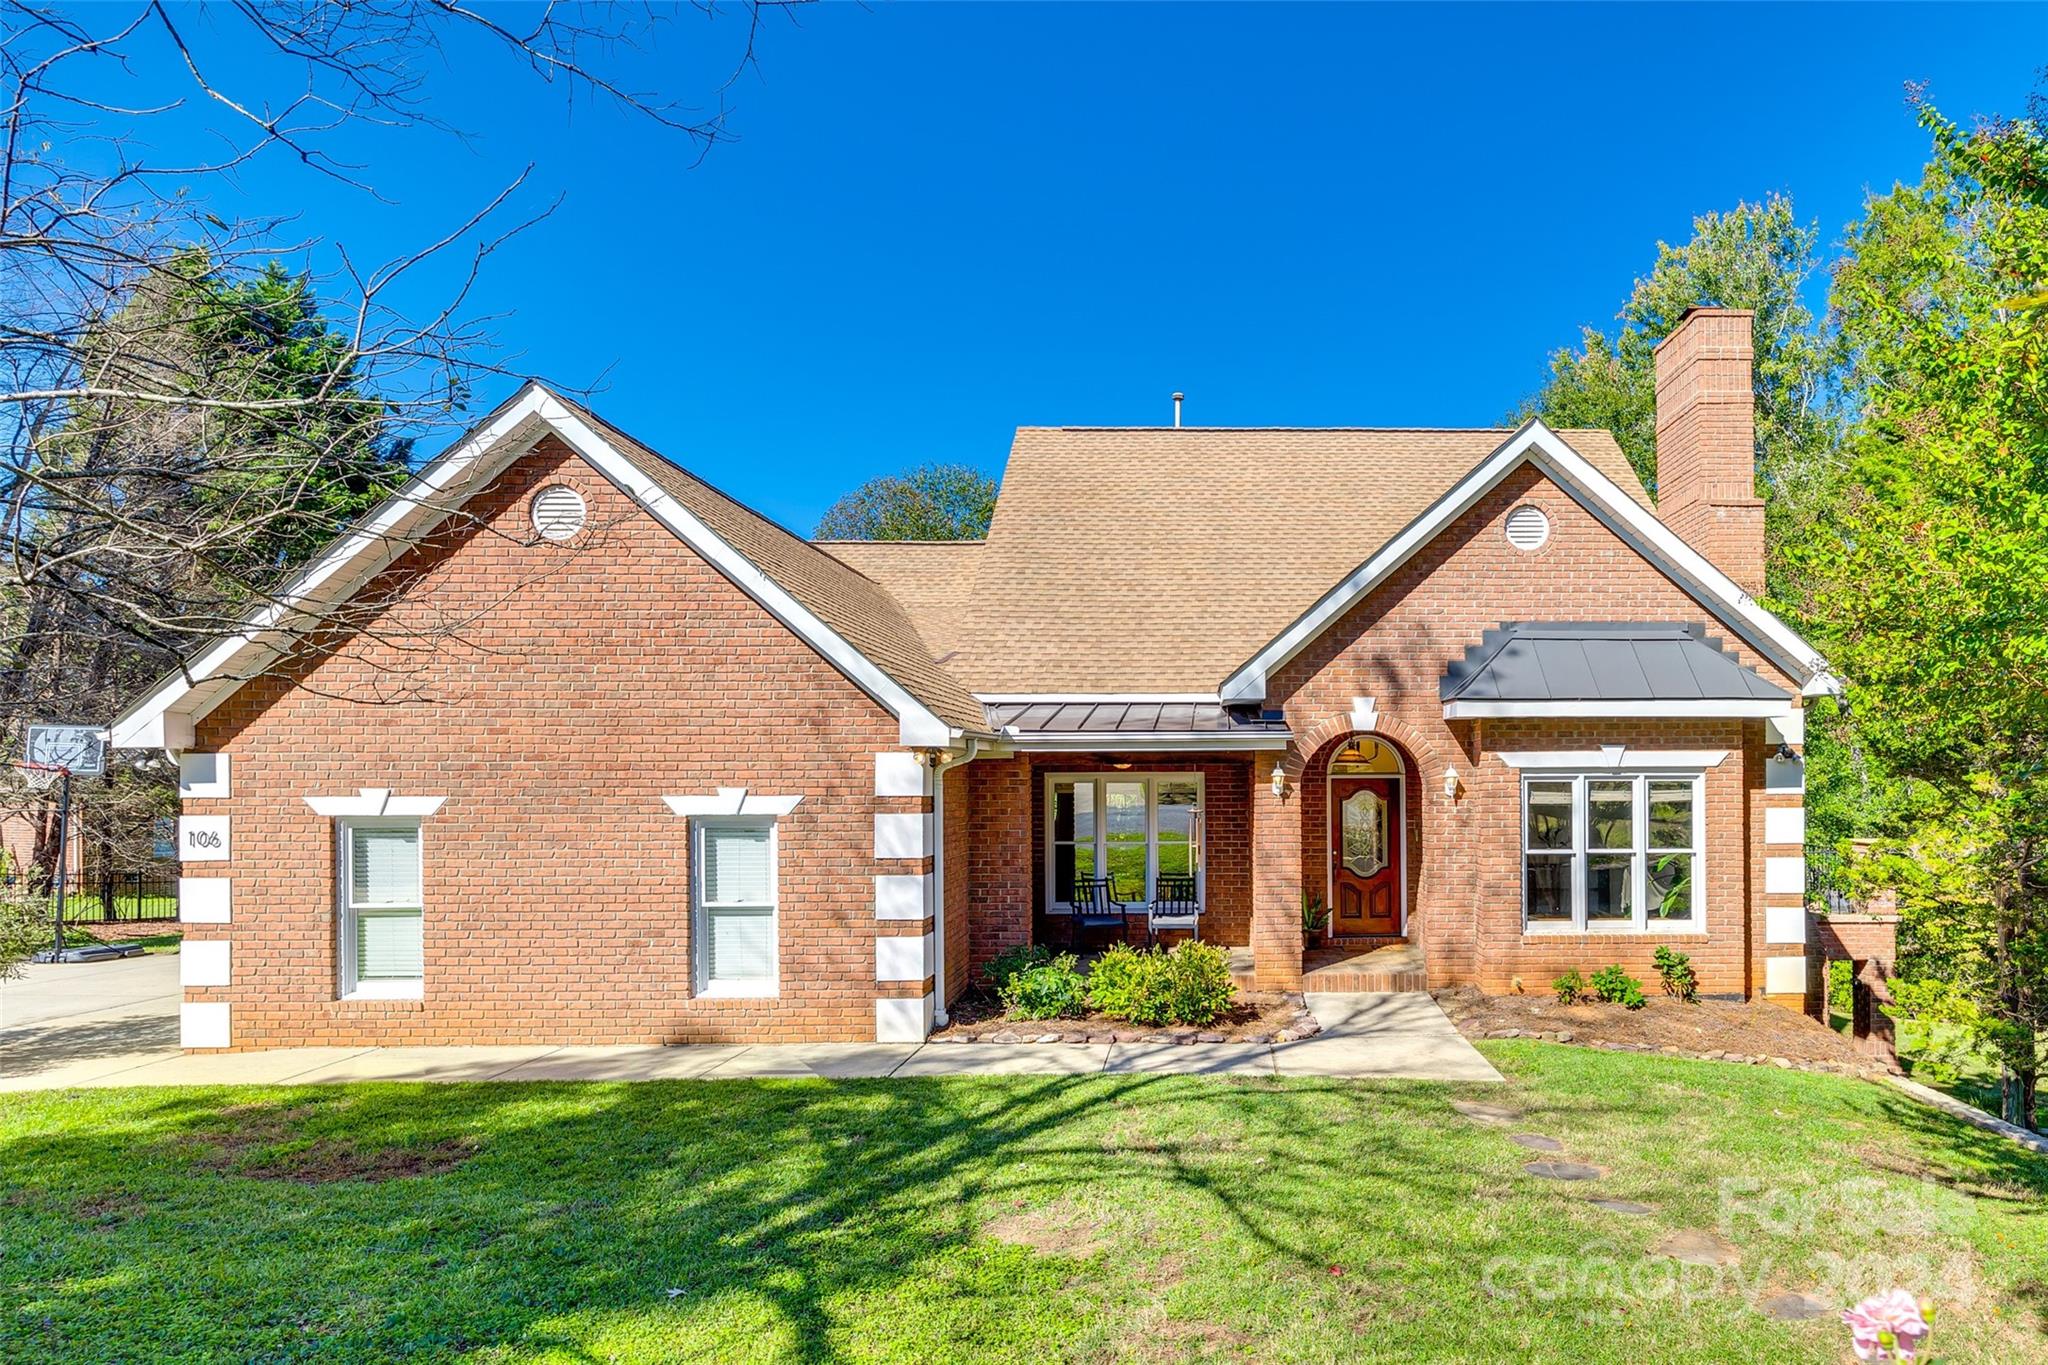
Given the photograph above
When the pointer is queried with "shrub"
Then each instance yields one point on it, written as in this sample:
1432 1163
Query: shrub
1571 988
1616 987
1675 971
1051 990
1118 981
1011 961
1189 985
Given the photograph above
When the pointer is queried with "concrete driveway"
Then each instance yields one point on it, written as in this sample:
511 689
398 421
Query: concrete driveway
68 1022
116 1023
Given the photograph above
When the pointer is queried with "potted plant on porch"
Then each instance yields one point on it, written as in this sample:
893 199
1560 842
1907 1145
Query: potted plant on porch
1313 918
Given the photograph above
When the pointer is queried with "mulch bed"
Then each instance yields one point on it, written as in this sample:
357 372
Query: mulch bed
1755 1032
1257 1017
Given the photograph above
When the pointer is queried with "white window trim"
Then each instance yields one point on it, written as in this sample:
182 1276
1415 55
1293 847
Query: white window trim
732 801
701 987
1639 849
1151 781
391 988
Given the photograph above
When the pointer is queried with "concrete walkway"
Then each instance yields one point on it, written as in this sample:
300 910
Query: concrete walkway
115 1024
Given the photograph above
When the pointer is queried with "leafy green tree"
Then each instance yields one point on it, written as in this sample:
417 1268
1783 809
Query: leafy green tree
930 502
1926 579
1755 256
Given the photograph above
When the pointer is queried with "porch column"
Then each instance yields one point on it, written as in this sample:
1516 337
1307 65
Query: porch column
1276 879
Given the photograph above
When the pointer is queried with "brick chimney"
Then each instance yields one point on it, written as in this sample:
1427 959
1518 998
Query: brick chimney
1706 441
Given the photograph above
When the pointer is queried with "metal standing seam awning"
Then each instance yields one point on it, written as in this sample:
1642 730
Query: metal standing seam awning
1605 668
1116 724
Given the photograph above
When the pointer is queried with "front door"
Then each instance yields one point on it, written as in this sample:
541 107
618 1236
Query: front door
1365 855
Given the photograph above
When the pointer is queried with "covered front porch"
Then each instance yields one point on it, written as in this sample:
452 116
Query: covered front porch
1079 842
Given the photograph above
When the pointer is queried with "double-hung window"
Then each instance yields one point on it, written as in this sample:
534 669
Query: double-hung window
733 920
1133 828
1609 852
383 912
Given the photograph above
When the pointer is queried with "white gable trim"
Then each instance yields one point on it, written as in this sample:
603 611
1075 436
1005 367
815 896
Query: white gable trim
1539 445
158 721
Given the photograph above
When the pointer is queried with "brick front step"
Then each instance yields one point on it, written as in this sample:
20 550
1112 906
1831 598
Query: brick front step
1392 965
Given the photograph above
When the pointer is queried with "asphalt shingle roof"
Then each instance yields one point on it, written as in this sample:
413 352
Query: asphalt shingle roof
1148 559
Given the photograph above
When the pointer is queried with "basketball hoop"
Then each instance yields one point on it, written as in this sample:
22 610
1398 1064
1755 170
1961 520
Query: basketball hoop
38 777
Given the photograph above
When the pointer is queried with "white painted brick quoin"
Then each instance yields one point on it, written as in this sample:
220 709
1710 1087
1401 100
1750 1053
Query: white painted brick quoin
900 774
1784 924
1785 825
903 957
203 1023
204 962
1785 876
203 900
903 836
203 838
902 895
903 1021
1784 975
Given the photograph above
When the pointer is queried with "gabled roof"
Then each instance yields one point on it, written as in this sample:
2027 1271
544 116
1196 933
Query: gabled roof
849 619
1617 505
1157 560
1531 668
932 579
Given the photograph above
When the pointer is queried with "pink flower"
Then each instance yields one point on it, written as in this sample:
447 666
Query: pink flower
1888 1326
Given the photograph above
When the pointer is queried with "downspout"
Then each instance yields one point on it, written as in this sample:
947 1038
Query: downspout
937 907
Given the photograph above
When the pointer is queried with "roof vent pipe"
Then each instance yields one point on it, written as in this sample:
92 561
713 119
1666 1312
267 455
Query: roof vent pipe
1176 408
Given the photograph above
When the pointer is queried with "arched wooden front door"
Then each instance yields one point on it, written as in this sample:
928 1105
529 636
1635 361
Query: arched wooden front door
1365 855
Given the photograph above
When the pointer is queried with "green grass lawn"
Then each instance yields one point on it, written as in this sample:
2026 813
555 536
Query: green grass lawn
1103 1219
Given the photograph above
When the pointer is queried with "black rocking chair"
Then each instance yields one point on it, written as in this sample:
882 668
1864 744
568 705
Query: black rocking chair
1094 907
1176 904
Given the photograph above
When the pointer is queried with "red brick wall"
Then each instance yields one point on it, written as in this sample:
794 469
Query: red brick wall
1465 887
1000 879
589 682
1706 441
959 810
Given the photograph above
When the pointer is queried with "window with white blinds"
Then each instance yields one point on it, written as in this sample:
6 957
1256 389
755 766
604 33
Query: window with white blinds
382 911
733 911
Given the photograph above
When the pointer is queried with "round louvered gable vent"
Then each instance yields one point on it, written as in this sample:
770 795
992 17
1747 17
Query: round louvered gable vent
1528 528
558 512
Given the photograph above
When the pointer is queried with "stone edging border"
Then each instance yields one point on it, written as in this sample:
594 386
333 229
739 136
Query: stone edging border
1301 1025
1969 1113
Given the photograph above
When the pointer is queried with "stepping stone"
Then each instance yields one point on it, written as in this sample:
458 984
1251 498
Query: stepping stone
1793 1308
1485 1113
1627 1206
1697 1248
1536 1142
1562 1170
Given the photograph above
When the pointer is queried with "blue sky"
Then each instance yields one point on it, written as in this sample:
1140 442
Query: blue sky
941 222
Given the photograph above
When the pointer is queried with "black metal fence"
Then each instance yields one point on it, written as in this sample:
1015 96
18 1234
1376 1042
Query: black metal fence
1823 880
107 898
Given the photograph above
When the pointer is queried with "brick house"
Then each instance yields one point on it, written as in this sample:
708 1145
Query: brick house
563 744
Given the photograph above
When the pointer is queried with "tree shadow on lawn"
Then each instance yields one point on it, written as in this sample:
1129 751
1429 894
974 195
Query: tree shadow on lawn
720 1201
799 1219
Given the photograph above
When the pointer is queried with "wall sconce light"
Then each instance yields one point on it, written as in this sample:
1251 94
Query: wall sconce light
1451 784
1785 754
1279 783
